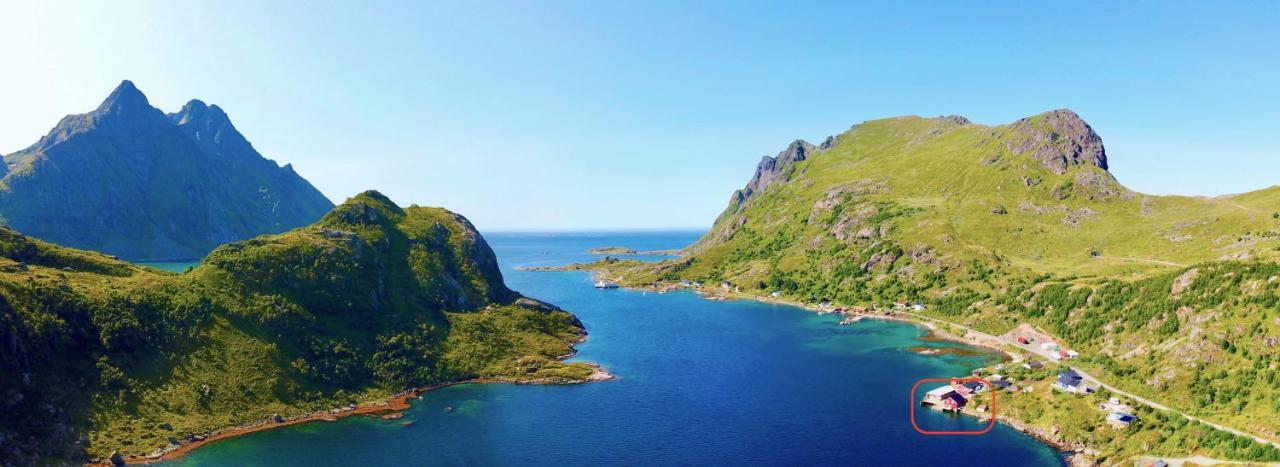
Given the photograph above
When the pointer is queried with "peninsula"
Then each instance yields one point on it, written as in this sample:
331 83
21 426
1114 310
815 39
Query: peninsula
114 362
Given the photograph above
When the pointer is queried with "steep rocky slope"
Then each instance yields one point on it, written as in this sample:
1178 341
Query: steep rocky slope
128 180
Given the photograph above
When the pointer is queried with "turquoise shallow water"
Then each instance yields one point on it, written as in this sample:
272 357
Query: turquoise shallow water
171 266
702 382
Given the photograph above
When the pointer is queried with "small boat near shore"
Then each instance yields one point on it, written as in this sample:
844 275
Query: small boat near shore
603 284
850 320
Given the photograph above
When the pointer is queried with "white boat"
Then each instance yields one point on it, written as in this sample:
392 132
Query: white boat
606 285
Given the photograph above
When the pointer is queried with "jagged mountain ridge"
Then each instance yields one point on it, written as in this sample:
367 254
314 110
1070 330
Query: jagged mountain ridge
129 180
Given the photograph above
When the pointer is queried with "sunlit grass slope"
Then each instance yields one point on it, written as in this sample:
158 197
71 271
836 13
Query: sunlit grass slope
100 355
1172 297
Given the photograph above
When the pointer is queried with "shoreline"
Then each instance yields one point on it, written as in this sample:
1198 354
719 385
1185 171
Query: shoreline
397 403
1069 451
934 333
394 406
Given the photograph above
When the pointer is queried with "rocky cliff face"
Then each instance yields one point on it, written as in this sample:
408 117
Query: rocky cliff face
129 180
773 169
1059 139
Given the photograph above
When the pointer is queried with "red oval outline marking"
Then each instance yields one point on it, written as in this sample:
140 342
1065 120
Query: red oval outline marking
990 425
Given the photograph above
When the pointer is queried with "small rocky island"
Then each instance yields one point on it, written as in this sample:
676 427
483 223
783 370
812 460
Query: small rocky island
612 250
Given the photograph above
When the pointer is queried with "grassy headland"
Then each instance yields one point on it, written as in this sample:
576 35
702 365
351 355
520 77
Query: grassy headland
993 227
102 356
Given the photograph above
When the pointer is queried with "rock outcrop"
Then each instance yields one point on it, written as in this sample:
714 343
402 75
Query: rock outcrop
771 170
1059 139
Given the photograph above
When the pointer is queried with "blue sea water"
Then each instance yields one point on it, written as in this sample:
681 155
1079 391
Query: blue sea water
700 383
171 266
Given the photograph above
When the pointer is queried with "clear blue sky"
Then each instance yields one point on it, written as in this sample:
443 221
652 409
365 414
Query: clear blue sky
604 114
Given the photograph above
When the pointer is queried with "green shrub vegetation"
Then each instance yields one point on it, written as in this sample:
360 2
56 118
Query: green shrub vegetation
99 355
1080 420
1173 298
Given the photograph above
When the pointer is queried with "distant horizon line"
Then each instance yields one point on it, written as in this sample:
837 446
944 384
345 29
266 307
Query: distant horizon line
602 230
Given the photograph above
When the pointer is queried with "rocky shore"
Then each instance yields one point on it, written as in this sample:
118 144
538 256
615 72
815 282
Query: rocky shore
390 408
1077 453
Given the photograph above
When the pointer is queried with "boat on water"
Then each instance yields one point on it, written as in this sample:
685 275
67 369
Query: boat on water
850 320
606 285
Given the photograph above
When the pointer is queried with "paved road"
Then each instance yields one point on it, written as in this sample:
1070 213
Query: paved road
1087 377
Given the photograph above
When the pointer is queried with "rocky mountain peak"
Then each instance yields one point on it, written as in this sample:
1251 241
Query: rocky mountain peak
772 169
126 108
1058 139
194 109
954 120
197 111
209 124
125 98
127 179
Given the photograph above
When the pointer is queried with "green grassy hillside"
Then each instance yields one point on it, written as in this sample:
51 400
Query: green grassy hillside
1000 226
976 192
99 355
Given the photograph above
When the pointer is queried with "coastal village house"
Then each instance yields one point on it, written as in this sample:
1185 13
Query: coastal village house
1071 382
954 396
954 402
944 398
1065 354
969 387
1120 419
1118 415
